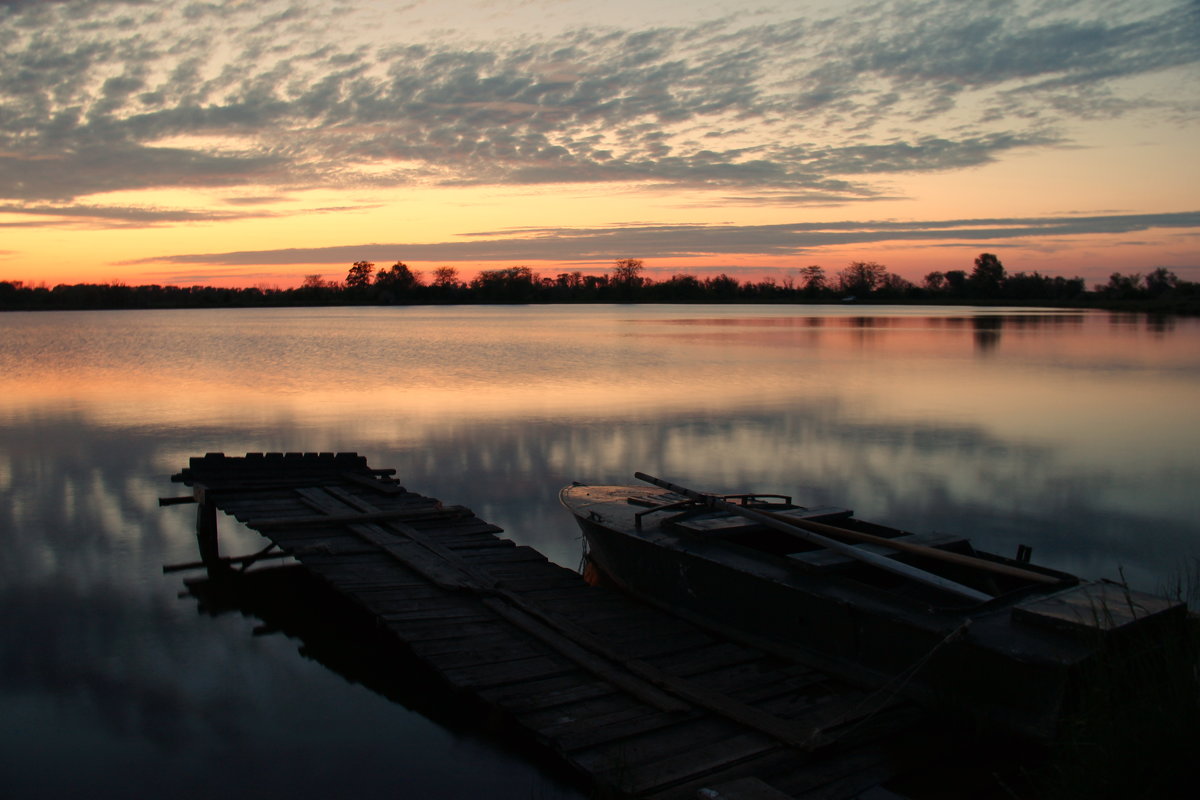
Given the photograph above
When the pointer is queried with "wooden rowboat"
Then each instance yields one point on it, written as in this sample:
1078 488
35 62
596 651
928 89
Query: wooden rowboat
999 640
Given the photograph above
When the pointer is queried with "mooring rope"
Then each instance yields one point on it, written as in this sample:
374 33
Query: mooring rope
892 687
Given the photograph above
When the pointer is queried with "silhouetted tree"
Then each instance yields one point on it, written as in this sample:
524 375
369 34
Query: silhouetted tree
1160 281
1122 287
628 272
677 288
446 278
956 282
894 285
935 282
861 278
988 276
396 283
814 280
627 277
511 285
359 275
722 287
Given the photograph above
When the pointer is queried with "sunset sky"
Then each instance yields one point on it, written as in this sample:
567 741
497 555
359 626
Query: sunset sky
254 143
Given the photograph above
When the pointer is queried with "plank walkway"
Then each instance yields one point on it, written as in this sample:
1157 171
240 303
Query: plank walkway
640 701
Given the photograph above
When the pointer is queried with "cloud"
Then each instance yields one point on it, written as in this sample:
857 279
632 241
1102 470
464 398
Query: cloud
122 216
106 96
675 241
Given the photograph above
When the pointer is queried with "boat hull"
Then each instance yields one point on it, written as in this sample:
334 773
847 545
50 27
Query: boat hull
973 662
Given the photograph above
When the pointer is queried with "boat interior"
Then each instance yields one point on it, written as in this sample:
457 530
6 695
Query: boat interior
737 531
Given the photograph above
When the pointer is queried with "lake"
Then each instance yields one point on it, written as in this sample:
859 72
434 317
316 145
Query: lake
1076 433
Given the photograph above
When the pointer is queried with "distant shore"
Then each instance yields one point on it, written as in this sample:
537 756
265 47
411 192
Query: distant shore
862 283
153 297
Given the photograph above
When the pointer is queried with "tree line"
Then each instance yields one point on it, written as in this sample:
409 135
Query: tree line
860 281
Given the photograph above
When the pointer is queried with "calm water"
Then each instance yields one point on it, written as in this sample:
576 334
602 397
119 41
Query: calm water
1075 433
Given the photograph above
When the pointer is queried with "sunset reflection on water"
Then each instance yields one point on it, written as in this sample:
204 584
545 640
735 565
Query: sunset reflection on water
1077 433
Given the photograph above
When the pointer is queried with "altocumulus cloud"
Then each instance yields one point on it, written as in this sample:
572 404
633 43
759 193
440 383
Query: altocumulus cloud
674 241
273 97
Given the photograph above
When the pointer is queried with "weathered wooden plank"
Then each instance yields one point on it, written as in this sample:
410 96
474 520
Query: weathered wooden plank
461 527
503 637
499 559
369 559
478 656
476 546
541 579
414 631
633 626
243 503
698 654
657 759
350 572
285 520
836 717
708 759
566 595
327 546
690 733
751 685
524 669
766 767
381 486
526 696
380 603
576 645
784 680
593 729
449 614
397 577
469 541
647 648
587 710
309 537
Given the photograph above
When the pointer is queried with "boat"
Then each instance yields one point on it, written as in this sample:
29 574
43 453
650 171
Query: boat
993 640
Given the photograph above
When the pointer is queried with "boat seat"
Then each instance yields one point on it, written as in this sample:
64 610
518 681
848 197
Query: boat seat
823 559
721 522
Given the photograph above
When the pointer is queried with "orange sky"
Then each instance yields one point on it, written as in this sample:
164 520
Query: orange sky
255 143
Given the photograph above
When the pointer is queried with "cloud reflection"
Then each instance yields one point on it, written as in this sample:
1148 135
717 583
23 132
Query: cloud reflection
1047 441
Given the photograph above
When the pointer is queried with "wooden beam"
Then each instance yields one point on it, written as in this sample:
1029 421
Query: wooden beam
323 520
250 559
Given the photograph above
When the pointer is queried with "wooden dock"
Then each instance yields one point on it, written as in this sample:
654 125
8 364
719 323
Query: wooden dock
641 702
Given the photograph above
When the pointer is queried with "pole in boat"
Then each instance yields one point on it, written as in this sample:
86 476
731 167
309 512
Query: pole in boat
882 562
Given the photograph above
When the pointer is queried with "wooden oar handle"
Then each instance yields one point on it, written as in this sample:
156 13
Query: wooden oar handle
832 530
918 549
683 490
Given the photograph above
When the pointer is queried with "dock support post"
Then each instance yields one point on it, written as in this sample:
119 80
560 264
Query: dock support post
206 532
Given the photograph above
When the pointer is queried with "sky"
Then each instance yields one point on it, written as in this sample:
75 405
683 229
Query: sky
254 143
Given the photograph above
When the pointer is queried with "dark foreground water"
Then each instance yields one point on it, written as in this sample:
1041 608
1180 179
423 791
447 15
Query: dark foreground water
1077 433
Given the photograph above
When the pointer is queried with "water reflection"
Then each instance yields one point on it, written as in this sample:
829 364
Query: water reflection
1078 434
924 332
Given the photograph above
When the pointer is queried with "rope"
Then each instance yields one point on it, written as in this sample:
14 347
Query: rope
893 687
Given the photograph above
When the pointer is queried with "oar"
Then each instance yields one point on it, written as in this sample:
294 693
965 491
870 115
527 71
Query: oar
919 549
960 559
848 550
